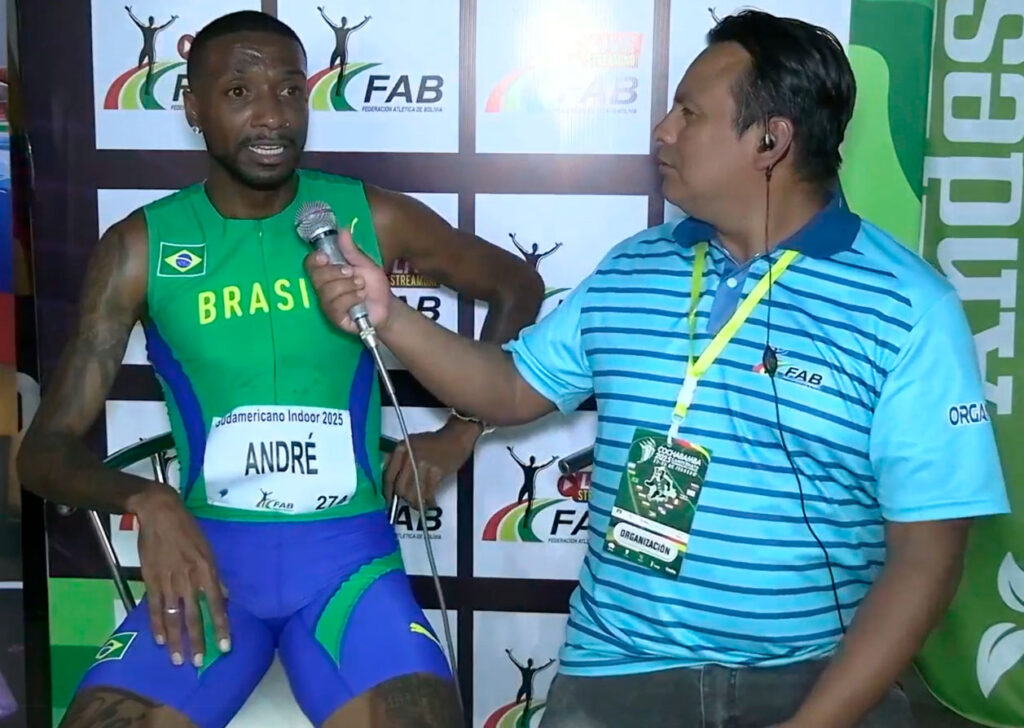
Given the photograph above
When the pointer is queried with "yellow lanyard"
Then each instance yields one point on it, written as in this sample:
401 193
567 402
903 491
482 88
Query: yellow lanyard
697 369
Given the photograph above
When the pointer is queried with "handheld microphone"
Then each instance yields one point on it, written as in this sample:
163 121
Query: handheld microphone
316 224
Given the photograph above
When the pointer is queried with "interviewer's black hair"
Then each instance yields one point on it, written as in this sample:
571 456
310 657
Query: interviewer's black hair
798 71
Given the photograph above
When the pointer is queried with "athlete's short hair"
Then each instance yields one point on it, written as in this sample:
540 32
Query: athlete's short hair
243 21
798 71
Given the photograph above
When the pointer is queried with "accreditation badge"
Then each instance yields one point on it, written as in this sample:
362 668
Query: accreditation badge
656 502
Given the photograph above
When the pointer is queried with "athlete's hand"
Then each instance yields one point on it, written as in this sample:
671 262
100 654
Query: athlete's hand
340 287
178 568
438 455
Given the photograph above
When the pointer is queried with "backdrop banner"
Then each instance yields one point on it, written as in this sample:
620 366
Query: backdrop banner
974 177
529 123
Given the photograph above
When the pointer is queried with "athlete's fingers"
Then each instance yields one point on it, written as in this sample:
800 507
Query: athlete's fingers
172 623
434 478
395 463
405 486
194 627
215 600
156 615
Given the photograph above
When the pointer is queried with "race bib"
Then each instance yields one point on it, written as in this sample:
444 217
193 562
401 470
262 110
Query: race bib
280 458
656 502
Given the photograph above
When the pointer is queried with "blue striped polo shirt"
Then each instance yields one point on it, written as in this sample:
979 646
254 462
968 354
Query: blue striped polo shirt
882 407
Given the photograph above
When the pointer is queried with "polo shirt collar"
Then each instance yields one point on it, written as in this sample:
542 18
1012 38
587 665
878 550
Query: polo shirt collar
832 230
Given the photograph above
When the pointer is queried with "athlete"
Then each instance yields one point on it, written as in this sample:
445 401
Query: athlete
529 490
532 256
279 539
149 33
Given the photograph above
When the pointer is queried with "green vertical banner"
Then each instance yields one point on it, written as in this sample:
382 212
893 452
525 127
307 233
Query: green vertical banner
885 141
972 231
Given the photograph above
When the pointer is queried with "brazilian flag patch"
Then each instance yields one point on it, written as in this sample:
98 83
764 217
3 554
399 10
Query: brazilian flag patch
182 260
116 646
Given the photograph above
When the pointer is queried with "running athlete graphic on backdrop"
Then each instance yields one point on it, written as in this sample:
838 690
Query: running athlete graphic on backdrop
280 540
341 36
532 256
529 490
149 33
528 673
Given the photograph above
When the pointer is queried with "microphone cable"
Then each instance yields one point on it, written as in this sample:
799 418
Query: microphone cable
317 225
770 361
369 336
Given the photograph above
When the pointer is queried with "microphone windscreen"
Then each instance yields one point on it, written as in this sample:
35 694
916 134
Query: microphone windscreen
314 217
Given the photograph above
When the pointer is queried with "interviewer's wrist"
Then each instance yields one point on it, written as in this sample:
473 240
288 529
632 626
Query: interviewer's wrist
396 312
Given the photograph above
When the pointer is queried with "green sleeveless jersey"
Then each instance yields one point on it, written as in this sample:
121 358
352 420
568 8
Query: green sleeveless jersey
275 412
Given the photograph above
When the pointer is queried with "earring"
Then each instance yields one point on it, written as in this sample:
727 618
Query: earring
196 130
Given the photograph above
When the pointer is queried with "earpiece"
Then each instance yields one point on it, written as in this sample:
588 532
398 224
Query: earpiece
768 143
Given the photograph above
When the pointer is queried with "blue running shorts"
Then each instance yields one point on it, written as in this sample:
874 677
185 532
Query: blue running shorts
331 597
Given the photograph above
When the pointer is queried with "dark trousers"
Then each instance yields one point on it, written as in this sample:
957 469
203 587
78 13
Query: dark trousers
707 697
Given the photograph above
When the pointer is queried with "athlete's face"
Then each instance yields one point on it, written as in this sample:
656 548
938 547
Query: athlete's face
251 105
702 161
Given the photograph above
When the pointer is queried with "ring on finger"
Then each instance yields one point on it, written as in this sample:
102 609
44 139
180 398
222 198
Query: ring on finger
171 610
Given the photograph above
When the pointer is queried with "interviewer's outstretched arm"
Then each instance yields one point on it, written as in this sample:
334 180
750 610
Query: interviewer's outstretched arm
477 378
474 377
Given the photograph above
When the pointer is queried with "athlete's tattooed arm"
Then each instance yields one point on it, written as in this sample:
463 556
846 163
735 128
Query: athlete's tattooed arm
53 461
409 230
176 560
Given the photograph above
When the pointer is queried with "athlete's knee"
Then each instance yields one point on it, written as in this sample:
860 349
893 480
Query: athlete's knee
109 706
420 700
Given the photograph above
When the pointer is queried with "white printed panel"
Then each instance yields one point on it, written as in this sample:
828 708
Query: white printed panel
127 424
690 23
400 91
442 522
515 658
530 519
434 301
563 237
137 86
113 206
564 76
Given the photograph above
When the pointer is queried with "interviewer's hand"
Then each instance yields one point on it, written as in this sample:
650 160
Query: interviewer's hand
340 287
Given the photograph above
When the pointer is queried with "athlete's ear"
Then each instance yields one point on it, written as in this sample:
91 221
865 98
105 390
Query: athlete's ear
191 108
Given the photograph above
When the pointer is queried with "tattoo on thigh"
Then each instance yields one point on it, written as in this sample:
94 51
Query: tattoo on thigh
108 709
417 701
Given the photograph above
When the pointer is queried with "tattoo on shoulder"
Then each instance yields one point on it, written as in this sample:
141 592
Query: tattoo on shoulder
417 701
110 305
